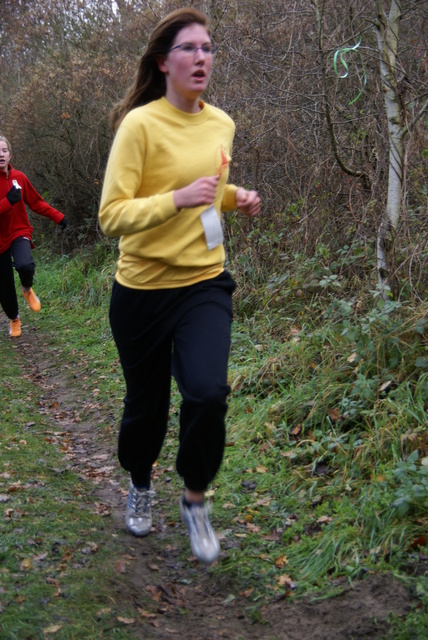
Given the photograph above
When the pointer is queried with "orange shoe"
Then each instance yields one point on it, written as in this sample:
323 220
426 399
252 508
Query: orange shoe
32 299
15 328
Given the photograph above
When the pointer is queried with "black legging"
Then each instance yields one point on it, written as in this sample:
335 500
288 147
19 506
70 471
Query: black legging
184 332
20 252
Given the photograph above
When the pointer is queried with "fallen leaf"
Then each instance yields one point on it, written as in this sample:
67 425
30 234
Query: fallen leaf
53 628
102 509
281 561
273 535
375 551
418 542
52 581
154 623
26 564
120 566
230 598
385 385
92 547
146 614
126 620
270 427
261 469
334 414
295 331
15 487
155 592
285 580
263 502
296 430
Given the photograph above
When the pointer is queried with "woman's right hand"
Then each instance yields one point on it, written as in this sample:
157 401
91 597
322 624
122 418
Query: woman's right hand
202 191
14 195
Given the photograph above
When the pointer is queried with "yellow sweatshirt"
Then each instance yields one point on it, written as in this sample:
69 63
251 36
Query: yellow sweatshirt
158 149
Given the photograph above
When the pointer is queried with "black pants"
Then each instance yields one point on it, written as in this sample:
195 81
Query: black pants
184 332
20 252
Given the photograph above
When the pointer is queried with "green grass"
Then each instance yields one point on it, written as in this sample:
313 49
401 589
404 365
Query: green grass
54 558
57 564
319 484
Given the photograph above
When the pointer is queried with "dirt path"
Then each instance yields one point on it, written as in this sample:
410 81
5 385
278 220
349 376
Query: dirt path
172 596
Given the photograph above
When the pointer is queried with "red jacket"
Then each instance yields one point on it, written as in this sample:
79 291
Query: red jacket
14 221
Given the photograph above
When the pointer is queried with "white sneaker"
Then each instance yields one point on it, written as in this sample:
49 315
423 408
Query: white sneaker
203 540
138 515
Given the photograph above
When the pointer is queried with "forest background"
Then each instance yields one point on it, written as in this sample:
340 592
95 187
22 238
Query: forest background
332 358
302 80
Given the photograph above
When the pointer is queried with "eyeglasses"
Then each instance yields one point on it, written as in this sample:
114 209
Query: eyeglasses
189 49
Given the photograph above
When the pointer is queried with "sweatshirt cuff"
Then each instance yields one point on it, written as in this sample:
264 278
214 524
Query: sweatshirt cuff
169 204
229 198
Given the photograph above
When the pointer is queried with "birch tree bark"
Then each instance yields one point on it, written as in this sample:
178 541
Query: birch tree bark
387 35
389 15
388 38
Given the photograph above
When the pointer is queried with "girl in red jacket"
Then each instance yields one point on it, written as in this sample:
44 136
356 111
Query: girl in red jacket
16 191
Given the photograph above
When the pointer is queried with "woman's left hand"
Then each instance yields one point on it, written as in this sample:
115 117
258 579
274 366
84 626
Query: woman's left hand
248 202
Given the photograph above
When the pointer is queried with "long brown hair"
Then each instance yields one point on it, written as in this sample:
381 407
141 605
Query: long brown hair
149 83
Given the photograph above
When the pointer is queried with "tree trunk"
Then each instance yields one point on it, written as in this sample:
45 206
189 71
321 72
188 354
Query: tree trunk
387 34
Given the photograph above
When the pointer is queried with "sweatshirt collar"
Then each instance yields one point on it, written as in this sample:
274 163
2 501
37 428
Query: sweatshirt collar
184 117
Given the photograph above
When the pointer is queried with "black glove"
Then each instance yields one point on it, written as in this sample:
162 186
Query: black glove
62 225
14 195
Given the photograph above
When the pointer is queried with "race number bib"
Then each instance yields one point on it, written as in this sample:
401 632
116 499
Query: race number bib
212 227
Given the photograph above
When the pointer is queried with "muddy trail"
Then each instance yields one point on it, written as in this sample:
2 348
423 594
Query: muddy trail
172 595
